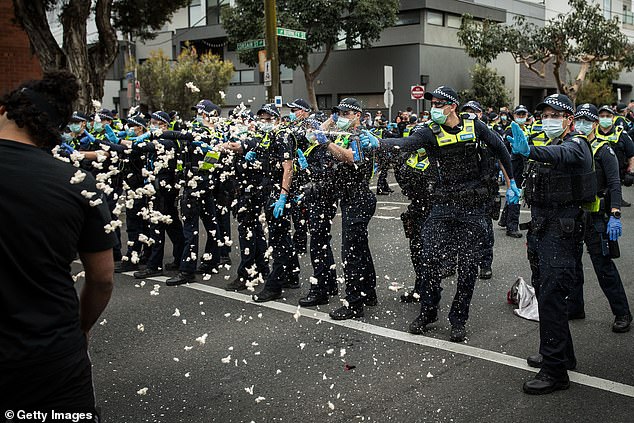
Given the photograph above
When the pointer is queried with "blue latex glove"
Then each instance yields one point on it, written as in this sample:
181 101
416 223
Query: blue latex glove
615 229
278 206
85 142
368 140
391 126
334 117
65 149
321 137
298 199
204 147
250 157
513 194
141 138
301 159
519 143
122 134
110 135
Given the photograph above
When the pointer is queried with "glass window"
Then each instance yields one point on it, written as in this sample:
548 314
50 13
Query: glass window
246 76
454 21
408 18
324 102
434 18
214 11
286 74
607 8
196 14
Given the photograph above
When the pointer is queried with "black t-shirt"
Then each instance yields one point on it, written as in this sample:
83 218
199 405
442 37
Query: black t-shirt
44 221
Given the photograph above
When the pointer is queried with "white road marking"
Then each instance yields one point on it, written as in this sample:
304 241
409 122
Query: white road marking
388 208
492 356
393 184
385 217
392 202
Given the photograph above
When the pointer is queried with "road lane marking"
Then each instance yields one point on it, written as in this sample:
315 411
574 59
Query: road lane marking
458 348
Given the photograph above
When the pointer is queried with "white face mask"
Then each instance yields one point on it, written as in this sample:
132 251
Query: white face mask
343 123
583 126
553 127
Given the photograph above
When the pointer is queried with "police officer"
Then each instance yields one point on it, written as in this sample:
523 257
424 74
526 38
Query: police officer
457 221
198 159
300 111
621 142
559 179
510 218
160 164
357 202
603 226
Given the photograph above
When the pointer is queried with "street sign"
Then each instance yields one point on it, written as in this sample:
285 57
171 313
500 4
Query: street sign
388 98
291 33
278 101
137 90
247 45
388 81
268 76
417 92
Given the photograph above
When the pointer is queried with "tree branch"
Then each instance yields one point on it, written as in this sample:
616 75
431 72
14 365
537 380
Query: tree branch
320 67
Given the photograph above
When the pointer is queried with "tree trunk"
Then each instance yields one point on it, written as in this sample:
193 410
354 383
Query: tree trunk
581 76
73 19
310 77
31 15
102 54
561 85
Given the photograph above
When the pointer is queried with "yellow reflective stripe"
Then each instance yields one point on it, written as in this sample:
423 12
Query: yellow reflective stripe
596 145
210 160
467 134
342 141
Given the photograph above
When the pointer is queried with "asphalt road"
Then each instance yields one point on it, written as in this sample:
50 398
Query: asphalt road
222 358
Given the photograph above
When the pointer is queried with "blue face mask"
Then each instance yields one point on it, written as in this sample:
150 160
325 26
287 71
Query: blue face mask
605 122
583 126
130 132
292 116
438 116
66 137
98 126
520 121
503 118
75 127
199 119
154 128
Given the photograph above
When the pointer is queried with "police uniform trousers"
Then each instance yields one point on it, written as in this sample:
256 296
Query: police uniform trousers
198 203
358 205
417 213
136 226
486 252
299 214
285 267
596 240
555 246
322 208
511 213
458 231
251 235
112 200
165 203
224 194
384 162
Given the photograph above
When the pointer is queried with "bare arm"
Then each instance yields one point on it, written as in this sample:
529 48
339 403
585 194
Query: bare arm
95 295
507 180
287 165
345 155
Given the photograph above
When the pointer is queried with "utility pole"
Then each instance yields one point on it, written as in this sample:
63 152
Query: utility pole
272 54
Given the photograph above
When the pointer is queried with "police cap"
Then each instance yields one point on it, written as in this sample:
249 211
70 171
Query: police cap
472 104
559 102
162 116
299 103
348 104
270 109
443 92
208 107
587 111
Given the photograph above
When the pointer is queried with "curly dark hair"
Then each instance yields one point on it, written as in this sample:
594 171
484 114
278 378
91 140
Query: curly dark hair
43 106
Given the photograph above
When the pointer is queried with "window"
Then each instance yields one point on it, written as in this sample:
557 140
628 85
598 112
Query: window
286 74
341 44
324 102
240 77
214 11
607 9
196 13
408 18
454 21
434 18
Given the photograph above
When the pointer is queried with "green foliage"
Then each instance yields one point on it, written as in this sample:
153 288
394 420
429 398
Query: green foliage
583 35
596 92
323 20
487 87
142 18
163 82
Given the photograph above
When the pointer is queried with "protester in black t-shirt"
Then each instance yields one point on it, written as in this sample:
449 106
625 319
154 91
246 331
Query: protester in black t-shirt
50 211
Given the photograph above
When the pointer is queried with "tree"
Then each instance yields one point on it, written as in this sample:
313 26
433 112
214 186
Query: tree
326 22
487 87
89 63
597 87
583 35
164 83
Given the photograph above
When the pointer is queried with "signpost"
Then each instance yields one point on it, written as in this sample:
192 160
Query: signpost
278 101
291 33
417 92
268 76
388 97
251 44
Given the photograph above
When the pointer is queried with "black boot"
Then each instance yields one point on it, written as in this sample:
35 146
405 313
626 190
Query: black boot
458 333
419 325
514 234
350 311
266 294
314 297
181 278
486 273
147 273
125 266
544 384
537 361
410 297
622 323
238 284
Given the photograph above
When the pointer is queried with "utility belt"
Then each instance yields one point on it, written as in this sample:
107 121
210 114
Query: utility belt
568 227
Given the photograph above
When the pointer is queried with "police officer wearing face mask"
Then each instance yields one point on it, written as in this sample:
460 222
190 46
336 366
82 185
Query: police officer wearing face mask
358 204
510 218
459 203
603 226
300 111
560 178
620 141
198 158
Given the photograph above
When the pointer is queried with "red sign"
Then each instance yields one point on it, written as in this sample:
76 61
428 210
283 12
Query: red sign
417 92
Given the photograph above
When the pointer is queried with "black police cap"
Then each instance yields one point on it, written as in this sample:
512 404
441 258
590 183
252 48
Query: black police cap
587 111
443 92
559 102
348 104
299 103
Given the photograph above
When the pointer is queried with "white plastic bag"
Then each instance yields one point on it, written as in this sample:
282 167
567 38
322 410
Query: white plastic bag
523 295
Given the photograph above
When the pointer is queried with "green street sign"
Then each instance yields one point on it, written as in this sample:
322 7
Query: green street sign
291 33
251 44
